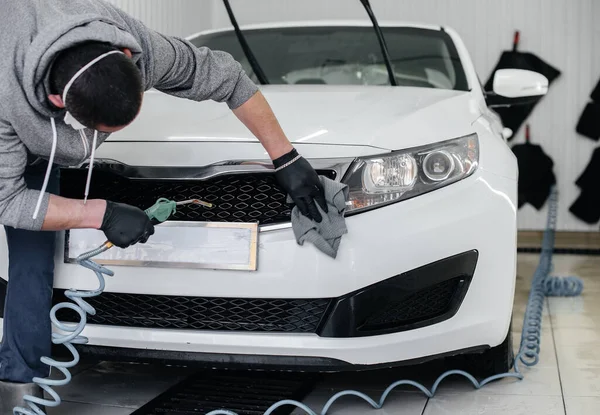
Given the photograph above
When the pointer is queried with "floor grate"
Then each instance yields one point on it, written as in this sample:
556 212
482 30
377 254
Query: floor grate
247 393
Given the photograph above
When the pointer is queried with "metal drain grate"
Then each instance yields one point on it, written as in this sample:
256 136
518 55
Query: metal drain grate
247 393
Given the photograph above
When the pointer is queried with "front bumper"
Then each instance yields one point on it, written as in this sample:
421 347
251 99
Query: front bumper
408 301
476 214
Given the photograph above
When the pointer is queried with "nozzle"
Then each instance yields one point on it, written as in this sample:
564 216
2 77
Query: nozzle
196 202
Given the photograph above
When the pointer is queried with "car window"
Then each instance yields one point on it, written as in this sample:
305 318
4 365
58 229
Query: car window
347 56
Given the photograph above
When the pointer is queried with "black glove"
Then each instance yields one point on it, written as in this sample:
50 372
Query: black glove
126 225
297 177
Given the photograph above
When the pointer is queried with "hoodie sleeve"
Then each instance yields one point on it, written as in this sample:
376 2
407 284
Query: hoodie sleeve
177 67
17 202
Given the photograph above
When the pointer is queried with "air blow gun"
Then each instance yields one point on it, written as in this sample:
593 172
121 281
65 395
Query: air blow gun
157 213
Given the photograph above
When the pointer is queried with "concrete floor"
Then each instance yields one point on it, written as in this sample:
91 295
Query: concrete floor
566 381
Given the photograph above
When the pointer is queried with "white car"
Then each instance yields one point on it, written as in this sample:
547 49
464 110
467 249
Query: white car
427 268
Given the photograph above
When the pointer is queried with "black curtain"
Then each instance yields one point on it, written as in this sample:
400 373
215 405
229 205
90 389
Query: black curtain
589 122
587 205
536 175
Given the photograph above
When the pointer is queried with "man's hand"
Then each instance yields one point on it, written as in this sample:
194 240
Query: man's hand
301 182
126 225
123 225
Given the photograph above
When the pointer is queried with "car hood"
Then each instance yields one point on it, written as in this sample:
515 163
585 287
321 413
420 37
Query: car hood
378 117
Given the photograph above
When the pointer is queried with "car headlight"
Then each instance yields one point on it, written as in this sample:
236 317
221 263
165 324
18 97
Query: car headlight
389 178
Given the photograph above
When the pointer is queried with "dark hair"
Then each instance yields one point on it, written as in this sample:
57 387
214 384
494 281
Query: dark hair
108 93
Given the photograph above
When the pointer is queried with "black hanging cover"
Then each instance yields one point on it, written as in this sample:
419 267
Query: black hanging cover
536 175
590 178
596 93
589 122
587 206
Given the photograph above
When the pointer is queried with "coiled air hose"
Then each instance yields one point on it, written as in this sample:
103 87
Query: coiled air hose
158 213
529 351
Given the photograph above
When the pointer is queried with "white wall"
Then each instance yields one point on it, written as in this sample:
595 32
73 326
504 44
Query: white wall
171 17
562 32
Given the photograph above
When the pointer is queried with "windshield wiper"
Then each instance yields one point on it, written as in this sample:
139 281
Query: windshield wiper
262 78
382 44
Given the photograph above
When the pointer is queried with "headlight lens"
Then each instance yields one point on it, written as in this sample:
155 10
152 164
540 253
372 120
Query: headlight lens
390 174
404 174
438 165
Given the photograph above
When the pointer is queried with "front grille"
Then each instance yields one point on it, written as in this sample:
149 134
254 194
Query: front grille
202 313
237 198
429 303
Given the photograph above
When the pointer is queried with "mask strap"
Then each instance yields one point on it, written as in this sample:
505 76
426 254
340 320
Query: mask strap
90 168
48 170
69 119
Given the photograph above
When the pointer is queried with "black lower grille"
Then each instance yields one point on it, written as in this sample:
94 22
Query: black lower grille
237 198
202 313
422 305
418 298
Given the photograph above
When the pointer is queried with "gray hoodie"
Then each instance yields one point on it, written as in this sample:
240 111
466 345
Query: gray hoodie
33 32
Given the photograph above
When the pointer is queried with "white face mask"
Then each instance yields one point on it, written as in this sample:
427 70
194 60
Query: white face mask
76 125
70 120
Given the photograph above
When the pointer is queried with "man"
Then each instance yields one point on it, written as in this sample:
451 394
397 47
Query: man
72 72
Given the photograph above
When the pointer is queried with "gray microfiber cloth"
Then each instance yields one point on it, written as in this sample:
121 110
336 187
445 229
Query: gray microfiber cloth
326 236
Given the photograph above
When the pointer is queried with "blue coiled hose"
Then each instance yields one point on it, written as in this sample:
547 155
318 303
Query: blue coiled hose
72 335
543 285
563 286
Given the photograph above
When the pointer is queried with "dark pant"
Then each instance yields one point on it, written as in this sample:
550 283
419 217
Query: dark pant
27 328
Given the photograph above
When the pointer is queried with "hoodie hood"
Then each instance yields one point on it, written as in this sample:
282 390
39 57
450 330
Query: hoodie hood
41 54
49 43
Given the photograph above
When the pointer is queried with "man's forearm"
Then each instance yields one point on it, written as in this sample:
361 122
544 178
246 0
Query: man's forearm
257 115
66 214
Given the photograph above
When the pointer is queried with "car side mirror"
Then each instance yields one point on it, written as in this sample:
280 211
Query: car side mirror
516 87
507 133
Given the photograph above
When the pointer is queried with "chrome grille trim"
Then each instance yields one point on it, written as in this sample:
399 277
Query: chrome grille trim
337 165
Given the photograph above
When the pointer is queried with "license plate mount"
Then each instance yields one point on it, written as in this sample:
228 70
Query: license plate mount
191 245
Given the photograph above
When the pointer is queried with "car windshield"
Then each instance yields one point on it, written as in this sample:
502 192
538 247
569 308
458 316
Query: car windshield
347 56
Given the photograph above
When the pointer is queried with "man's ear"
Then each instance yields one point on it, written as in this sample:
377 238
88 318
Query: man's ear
56 100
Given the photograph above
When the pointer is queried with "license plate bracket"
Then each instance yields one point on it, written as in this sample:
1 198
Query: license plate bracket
191 245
